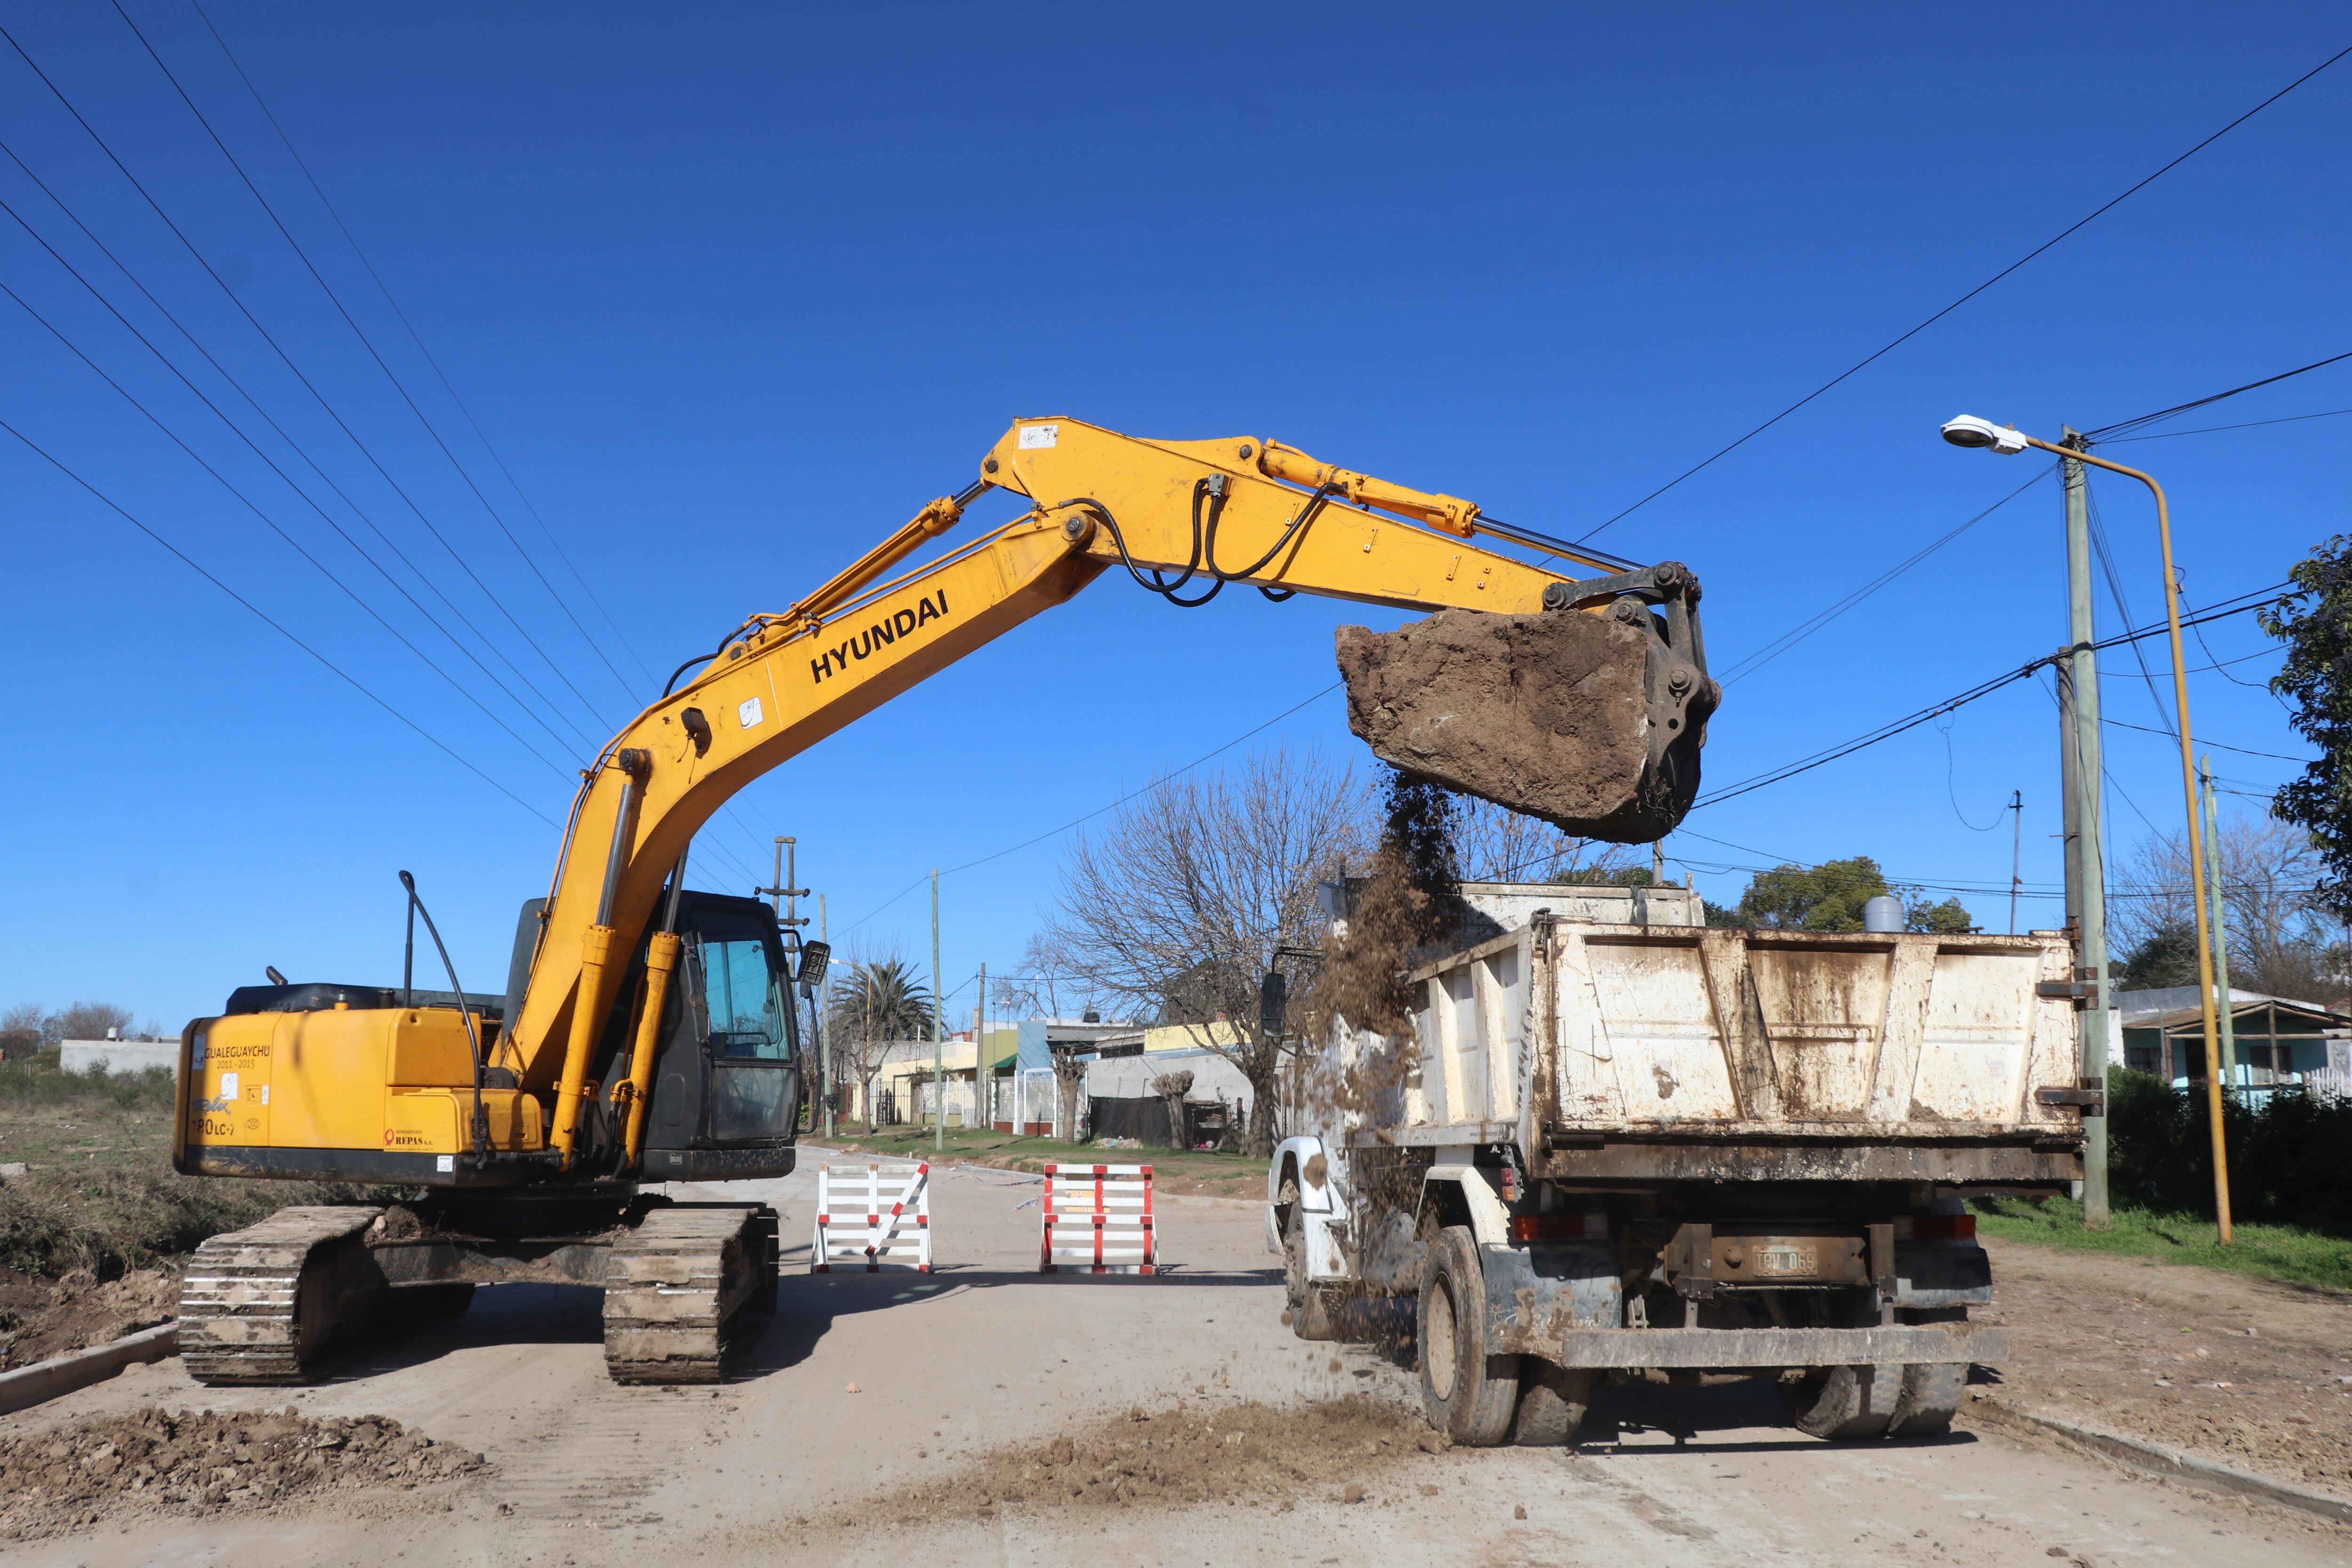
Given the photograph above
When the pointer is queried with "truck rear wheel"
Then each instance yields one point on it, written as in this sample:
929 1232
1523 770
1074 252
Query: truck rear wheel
1308 1304
1932 1392
1552 1400
1467 1394
1845 1403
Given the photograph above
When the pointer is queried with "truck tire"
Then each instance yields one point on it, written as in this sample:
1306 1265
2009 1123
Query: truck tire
1308 1304
1845 1403
1467 1394
1931 1395
1552 1400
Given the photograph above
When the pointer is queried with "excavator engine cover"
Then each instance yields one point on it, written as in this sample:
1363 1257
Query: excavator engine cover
1590 722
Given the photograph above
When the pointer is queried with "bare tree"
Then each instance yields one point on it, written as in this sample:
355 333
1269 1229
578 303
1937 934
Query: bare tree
1492 843
1180 905
2280 940
88 1021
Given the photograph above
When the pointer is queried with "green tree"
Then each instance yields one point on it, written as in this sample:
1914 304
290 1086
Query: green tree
1829 897
2165 956
2314 621
874 1002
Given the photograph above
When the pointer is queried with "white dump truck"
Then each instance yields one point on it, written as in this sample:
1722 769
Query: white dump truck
1618 1142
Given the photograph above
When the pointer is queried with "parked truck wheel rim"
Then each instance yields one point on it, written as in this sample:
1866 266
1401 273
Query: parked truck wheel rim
1440 1354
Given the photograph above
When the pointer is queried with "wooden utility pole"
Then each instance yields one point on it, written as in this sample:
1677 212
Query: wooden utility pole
984 1083
2016 845
2221 932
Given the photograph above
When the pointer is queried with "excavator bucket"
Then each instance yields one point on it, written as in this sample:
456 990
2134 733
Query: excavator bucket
1591 722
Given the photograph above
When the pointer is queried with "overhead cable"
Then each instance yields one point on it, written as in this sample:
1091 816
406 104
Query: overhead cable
1871 359
368 344
2109 431
435 741
440 374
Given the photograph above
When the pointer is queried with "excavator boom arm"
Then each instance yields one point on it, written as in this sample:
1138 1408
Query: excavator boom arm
1186 516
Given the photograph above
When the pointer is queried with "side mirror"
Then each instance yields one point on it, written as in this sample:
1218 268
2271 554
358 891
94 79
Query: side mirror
814 956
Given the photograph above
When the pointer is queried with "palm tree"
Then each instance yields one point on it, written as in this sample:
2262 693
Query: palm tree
878 1001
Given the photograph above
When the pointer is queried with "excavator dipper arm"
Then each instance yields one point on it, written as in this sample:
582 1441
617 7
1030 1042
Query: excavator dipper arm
1184 517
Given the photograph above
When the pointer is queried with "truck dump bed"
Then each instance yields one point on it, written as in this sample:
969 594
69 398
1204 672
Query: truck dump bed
1615 1053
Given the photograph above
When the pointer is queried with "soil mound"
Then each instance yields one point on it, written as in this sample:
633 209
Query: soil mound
206 1464
1250 1452
1545 714
40 1318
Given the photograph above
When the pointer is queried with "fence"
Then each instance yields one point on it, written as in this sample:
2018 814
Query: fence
1110 1208
861 1218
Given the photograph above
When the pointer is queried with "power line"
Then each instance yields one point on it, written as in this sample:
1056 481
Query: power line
1972 293
2242 751
440 374
2106 432
1894 727
2210 429
272 523
1097 811
1798 632
222 415
231 294
368 344
262 616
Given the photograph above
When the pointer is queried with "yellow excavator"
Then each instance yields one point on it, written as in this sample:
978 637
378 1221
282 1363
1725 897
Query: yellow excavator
648 1032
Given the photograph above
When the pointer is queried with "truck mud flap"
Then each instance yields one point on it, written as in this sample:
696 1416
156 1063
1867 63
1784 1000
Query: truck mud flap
1535 1294
1709 1348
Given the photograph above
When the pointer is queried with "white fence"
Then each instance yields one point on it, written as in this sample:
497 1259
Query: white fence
862 1218
1098 1218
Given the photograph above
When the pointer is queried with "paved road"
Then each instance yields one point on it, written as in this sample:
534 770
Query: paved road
986 1352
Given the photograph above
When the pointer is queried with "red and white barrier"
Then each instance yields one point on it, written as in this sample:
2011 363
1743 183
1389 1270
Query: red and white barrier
1108 1208
873 1214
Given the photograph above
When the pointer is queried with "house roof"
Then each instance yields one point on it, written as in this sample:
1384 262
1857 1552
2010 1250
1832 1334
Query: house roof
2172 1007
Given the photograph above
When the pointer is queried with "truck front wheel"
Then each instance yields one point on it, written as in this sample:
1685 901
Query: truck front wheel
1467 1394
1308 1304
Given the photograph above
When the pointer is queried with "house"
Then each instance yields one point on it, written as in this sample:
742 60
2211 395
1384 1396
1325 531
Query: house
2278 1040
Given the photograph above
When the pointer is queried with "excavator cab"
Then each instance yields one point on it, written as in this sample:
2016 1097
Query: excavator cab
727 1082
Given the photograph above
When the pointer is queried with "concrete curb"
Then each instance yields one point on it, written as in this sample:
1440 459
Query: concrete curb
2171 1463
46 1380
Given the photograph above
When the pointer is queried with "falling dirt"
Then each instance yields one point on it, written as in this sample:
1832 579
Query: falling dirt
202 1464
1347 1450
42 1318
1545 714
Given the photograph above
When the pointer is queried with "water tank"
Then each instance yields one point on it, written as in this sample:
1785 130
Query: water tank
1883 913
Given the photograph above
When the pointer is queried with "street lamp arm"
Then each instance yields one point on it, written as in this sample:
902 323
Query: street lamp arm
2189 791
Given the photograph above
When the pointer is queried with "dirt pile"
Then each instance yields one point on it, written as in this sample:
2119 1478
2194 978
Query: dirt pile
205 1465
40 1318
1411 900
1248 1453
1545 714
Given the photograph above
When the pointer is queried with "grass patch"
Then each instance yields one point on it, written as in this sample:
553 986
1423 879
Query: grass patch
2285 1253
98 1191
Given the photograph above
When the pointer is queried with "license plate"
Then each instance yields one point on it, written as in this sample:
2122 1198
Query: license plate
1787 1260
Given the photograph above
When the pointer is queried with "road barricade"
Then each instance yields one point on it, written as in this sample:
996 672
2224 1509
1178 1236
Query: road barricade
1098 1218
880 1216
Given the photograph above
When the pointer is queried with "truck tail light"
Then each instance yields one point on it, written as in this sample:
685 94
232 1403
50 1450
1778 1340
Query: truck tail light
1936 1228
1527 1227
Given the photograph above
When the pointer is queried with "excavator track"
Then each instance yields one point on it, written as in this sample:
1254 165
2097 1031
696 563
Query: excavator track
258 1306
680 1286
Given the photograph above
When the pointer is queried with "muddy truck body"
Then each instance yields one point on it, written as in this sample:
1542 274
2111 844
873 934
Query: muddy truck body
1625 1148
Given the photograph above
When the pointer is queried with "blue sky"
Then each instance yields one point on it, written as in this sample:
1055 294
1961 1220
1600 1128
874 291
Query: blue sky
732 291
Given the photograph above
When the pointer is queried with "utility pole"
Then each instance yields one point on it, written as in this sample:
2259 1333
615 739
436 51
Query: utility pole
2220 935
787 873
2085 863
824 1044
981 1076
2016 844
938 1001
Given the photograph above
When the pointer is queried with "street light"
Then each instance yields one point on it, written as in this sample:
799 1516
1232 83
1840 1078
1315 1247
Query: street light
1967 430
